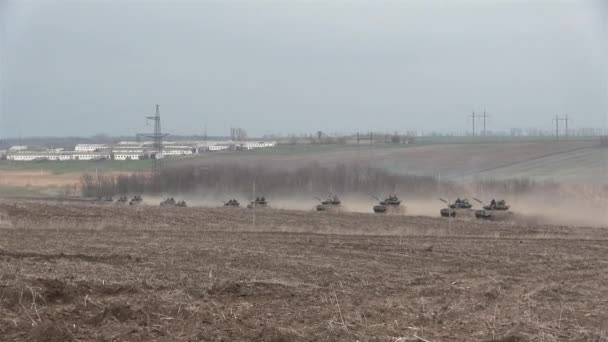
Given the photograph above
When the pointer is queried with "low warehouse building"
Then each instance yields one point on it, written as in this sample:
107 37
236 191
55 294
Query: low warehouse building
128 156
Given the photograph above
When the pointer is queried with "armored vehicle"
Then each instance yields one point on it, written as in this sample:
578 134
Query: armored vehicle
391 205
136 200
332 203
232 203
496 210
169 202
259 202
460 208
105 199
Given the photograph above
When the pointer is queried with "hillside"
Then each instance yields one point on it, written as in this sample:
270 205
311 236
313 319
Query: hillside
580 162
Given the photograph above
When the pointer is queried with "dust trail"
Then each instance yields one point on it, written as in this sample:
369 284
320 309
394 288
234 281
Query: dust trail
562 205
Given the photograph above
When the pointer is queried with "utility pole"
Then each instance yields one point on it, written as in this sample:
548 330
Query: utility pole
157 142
557 120
484 116
473 116
369 136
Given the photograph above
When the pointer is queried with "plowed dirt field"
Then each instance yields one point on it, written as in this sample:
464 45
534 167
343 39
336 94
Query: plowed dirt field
72 272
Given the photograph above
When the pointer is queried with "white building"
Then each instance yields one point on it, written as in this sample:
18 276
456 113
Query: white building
128 156
128 150
90 147
177 151
173 149
89 156
131 143
24 157
250 145
217 147
58 156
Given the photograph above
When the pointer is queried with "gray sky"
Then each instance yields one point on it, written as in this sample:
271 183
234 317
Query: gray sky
86 67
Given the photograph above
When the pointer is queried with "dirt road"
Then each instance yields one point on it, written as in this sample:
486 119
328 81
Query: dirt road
87 273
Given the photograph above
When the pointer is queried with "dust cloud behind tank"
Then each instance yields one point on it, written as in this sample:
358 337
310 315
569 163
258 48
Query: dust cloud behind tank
390 205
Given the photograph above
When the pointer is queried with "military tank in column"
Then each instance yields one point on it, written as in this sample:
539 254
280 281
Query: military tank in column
122 200
331 204
459 208
232 203
136 200
494 211
259 202
390 205
169 202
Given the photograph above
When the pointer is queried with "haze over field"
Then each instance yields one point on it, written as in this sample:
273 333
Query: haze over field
582 162
350 201
84 67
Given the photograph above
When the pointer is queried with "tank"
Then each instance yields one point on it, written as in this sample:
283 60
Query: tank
459 208
496 210
232 203
122 200
259 202
391 205
332 203
181 203
104 199
136 200
169 202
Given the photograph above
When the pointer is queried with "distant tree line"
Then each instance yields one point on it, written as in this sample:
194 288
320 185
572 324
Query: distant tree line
309 180
238 178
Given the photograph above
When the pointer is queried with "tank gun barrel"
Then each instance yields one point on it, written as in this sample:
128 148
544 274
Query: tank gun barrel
444 201
480 202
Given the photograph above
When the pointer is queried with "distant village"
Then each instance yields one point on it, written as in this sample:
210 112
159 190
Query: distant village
128 150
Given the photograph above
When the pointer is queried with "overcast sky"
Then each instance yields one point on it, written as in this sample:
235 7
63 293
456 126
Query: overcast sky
87 67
